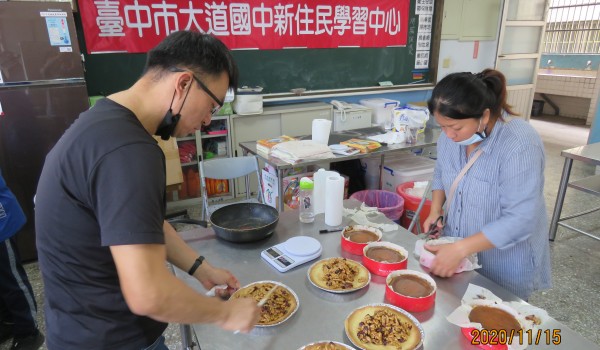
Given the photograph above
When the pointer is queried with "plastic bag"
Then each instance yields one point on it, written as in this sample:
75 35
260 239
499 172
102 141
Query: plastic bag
227 109
389 203
409 117
426 257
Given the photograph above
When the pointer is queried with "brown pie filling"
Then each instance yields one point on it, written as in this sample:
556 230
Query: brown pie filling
493 318
411 286
361 236
384 254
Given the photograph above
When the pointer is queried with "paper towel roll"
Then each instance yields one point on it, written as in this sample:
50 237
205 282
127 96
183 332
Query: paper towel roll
334 200
320 130
319 193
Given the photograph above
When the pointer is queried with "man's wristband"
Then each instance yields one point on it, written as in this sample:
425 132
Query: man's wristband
197 264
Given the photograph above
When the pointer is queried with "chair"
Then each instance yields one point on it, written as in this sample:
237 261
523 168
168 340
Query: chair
229 169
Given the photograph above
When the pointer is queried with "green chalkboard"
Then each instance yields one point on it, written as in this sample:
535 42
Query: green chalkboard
108 73
278 71
325 69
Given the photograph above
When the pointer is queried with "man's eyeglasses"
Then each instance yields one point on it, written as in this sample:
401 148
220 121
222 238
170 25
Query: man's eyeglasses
204 88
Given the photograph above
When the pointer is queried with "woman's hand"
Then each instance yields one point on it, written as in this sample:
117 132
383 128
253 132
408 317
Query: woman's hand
432 219
447 258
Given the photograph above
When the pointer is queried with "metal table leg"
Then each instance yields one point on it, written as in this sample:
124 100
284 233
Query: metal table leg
381 171
560 197
415 219
187 341
280 190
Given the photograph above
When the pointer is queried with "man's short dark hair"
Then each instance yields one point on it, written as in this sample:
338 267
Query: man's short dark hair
199 52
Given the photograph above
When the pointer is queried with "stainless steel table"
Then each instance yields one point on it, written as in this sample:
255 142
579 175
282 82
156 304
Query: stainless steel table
427 138
321 314
589 154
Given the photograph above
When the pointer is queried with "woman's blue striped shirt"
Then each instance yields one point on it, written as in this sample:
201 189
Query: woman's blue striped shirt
502 195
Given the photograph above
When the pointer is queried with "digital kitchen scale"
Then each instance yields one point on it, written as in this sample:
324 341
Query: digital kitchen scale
293 252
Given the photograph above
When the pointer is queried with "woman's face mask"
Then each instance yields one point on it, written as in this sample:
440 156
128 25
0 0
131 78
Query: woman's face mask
476 137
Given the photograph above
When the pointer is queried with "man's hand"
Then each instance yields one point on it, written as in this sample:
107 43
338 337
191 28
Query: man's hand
211 276
240 315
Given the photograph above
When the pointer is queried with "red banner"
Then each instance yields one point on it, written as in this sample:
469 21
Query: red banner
138 25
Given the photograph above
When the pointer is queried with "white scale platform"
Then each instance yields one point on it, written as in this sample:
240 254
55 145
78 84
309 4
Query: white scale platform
291 253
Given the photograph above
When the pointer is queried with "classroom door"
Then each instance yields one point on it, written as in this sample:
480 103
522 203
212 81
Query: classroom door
519 50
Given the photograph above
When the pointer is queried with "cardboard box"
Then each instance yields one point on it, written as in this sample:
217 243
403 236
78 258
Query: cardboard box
173 164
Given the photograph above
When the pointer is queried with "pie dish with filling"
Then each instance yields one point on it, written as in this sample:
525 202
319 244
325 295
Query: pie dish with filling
326 345
280 306
383 327
338 275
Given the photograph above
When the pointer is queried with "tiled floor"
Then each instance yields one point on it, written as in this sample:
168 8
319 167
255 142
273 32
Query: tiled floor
574 299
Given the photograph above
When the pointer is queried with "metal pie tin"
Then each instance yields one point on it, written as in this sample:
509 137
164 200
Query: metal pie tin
280 285
386 306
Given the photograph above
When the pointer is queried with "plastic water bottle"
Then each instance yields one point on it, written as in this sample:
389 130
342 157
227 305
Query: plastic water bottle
307 212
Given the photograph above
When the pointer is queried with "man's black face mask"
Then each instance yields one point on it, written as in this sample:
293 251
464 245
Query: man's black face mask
167 126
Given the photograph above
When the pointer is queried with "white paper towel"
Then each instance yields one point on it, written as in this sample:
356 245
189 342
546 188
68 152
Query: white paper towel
334 200
320 130
319 193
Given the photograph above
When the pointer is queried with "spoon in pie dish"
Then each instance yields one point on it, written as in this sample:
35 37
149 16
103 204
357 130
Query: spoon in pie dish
263 301
266 297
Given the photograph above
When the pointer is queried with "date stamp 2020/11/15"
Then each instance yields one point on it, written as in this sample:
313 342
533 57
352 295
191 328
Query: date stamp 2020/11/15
521 337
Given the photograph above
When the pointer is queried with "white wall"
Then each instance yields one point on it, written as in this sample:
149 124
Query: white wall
458 55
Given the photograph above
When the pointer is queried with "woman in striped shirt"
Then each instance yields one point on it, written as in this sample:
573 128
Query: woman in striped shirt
498 206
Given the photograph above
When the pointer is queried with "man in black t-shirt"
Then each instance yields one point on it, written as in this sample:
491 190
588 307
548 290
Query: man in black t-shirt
100 207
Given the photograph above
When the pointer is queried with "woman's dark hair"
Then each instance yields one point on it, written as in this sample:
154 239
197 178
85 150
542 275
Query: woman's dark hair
466 95
201 53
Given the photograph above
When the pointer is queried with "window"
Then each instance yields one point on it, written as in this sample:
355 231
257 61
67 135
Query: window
573 26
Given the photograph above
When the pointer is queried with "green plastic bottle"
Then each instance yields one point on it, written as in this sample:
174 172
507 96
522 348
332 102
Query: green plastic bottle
307 210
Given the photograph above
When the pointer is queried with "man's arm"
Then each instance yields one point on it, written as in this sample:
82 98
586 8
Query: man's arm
183 256
150 289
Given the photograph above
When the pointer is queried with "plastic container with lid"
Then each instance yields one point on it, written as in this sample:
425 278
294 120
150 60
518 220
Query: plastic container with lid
413 168
370 167
307 212
248 100
382 110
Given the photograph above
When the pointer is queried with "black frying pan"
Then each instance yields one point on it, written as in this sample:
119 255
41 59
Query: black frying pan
244 222
240 222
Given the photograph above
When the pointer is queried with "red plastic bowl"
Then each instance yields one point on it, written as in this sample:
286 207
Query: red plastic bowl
357 248
384 268
410 303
